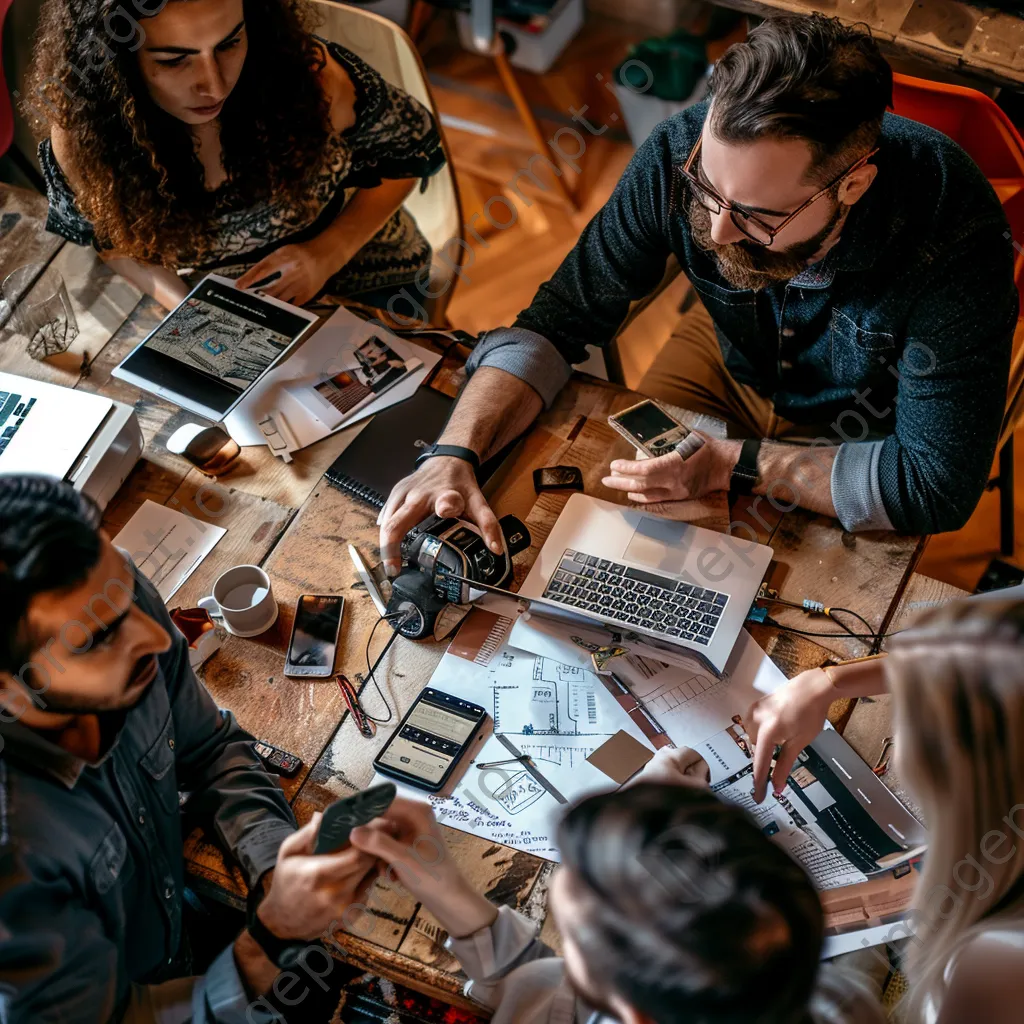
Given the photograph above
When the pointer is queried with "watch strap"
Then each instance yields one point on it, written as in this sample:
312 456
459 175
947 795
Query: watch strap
745 475
280 952
453 451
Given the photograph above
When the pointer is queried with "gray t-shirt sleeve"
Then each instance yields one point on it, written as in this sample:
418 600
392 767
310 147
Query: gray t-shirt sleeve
856 487
526 355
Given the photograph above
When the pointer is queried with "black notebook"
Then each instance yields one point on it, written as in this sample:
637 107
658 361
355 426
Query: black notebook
387 449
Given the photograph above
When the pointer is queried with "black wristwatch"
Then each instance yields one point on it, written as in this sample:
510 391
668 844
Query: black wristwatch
453 451
744 475
283 953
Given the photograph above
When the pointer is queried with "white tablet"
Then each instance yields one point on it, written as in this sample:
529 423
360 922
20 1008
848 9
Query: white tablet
214 346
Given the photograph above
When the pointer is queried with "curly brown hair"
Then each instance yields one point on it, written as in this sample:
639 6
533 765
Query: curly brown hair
142 184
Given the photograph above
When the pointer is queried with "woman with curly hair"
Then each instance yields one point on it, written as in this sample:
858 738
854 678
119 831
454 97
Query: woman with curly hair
221 135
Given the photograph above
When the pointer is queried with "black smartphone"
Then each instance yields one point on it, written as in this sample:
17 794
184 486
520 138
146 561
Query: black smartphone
314 637
350 812
425 748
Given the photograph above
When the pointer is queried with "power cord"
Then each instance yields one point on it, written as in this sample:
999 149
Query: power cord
812 607
355 701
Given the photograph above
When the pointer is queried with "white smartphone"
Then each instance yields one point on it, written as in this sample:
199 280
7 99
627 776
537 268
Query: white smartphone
314 639
649 428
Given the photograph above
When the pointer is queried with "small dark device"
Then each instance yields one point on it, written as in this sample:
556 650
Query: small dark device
276 760
557 478
425 748
314 637
350 812
440 549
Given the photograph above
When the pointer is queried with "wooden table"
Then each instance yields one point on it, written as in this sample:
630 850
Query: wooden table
287 519
979 42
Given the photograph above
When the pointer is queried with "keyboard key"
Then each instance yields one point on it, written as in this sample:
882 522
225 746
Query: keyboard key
580 557
588 571
647 624
720 600
570 567
673 631
684 588
591 559
702 640
603 563
646 577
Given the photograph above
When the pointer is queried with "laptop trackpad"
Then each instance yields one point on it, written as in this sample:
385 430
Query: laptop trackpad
659 544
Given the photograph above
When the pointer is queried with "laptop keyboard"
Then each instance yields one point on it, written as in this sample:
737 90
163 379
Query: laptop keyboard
637 597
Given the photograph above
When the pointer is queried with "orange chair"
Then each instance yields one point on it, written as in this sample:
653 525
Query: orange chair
976 123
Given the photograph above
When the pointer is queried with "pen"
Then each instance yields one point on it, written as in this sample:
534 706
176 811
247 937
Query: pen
269 279
529 766
652 721
368 580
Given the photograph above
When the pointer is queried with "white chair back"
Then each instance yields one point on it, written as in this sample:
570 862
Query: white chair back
391 53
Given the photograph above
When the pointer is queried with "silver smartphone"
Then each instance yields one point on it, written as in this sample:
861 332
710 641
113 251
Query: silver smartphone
314 639
649 427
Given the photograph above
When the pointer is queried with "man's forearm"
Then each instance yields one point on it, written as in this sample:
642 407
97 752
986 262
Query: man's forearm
494 408
792 475
256 971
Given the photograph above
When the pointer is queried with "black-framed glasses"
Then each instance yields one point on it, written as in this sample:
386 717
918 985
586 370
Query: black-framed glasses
748 222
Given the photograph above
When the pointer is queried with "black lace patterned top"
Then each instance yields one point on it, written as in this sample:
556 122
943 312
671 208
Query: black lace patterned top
393 137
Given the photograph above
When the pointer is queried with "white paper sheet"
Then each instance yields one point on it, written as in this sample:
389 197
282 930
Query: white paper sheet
167 545
557 714
317 357
688 702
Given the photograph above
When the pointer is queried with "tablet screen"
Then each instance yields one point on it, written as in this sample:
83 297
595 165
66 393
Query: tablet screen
213 347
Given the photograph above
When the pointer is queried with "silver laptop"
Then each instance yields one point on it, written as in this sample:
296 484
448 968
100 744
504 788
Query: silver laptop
665 585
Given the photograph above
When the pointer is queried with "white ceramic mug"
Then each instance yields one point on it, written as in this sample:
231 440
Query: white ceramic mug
243 599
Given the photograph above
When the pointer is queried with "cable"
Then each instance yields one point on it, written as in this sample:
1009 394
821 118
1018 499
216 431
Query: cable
874 637
812 607
405 616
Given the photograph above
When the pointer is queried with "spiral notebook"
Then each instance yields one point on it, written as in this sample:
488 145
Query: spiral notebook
387 449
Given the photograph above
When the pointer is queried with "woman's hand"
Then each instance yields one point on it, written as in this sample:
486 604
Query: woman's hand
408 838
789 718
303 273
671 478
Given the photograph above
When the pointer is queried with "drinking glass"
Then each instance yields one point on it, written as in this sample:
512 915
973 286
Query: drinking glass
40 309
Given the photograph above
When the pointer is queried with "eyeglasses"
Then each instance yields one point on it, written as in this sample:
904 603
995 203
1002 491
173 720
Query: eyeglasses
748 222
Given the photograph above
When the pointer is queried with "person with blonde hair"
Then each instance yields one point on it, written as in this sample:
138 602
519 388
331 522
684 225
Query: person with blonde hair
957 684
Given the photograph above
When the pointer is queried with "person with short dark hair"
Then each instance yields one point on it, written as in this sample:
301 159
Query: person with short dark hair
673 908
855 276
102 723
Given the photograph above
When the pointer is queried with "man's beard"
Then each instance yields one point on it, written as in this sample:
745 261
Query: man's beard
753 266
132 694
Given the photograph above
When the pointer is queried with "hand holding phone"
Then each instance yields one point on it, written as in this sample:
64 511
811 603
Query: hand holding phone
350 812
649 428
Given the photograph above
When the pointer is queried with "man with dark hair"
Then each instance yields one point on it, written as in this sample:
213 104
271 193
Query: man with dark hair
672 907
855 272
102 723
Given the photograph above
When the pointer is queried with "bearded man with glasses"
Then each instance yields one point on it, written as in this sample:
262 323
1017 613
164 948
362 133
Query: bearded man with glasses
856 314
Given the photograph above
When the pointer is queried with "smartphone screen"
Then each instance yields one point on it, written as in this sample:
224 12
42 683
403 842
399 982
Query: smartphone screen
430 739
646 421
314 635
